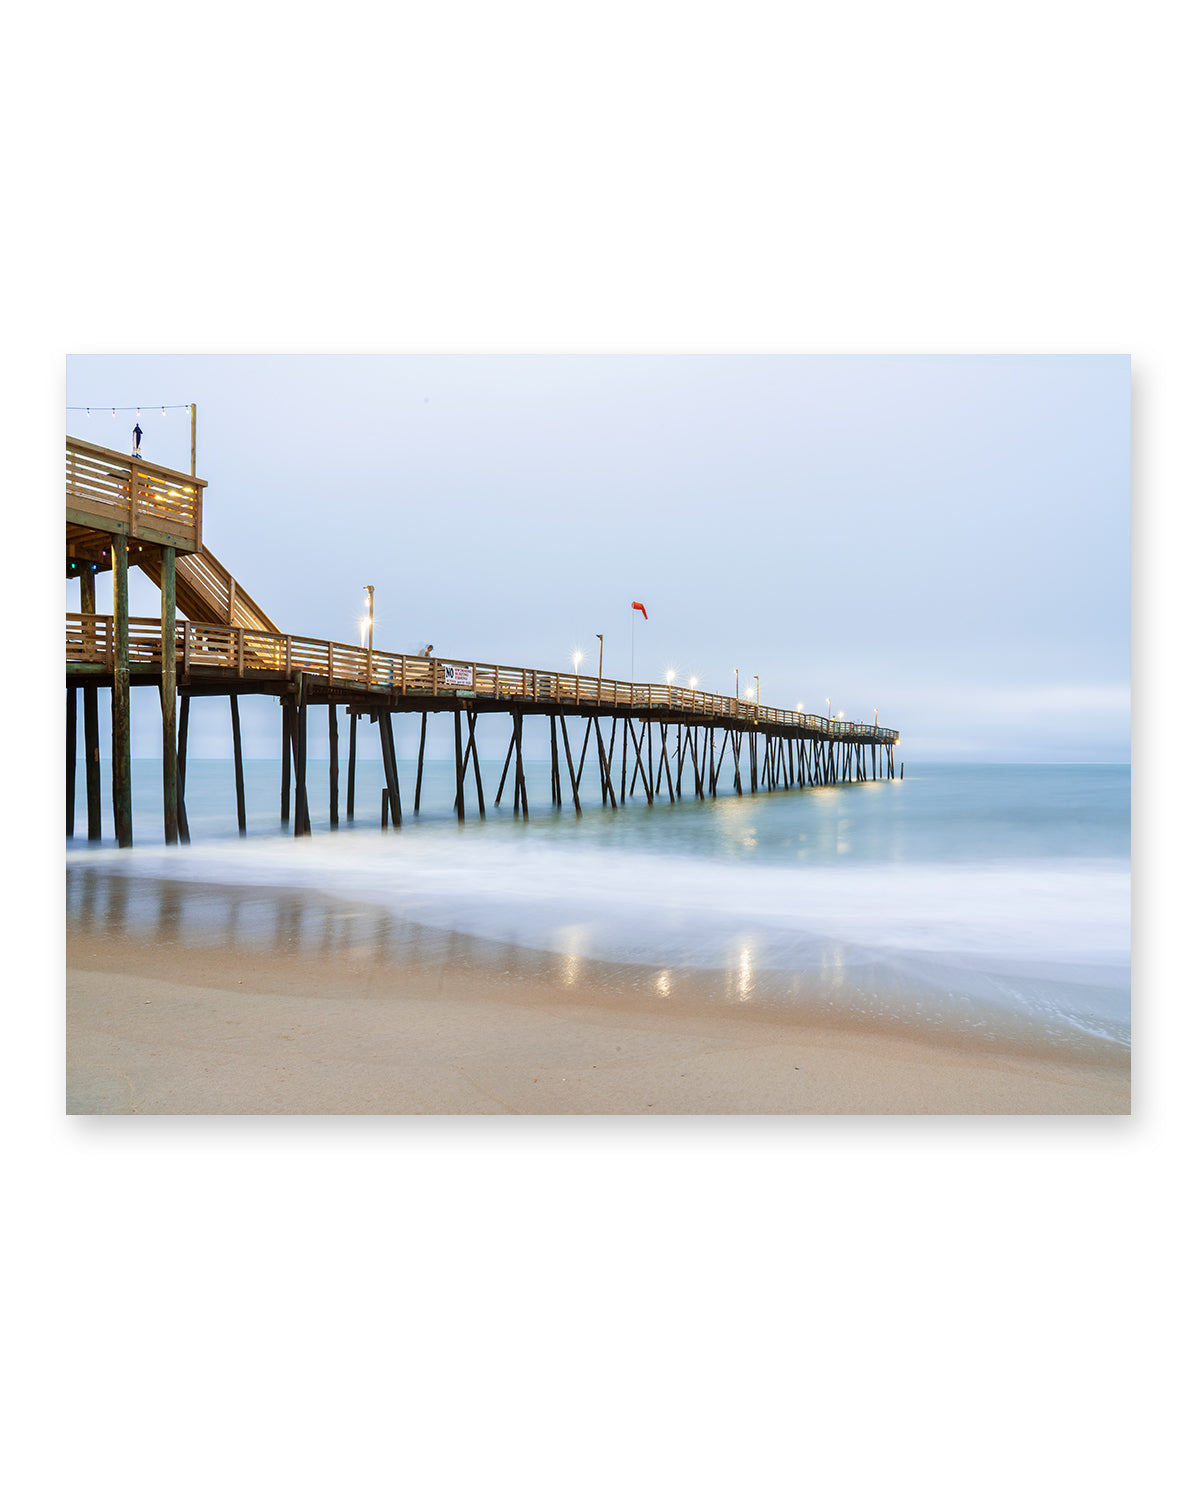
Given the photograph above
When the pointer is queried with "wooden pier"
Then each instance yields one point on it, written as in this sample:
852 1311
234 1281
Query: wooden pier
122 510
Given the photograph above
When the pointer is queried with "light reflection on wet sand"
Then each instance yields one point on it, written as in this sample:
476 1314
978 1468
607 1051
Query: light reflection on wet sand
354 937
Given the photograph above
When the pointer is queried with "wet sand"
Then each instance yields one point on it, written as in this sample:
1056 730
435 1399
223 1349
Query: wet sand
171 1015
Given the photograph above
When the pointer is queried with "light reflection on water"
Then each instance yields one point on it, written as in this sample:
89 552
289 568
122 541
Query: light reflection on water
356 938
823 887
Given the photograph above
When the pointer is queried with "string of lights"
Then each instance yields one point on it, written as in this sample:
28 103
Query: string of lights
179 406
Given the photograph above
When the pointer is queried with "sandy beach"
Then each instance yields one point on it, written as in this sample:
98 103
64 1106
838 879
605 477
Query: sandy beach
177 1019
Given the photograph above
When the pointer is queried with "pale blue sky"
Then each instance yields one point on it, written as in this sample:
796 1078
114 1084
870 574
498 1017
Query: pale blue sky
944 539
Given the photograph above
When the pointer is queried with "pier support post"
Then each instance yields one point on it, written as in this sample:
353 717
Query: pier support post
606 789
239 780
473 756
420 767
570 766
459 799
300 750
285 768
167 695
185 704
387 746
122 786
91 722
333 766
351 757
639 769
555 782
664 762
519 792
72 736
512 745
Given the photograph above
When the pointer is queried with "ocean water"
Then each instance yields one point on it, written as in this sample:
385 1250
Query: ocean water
986 900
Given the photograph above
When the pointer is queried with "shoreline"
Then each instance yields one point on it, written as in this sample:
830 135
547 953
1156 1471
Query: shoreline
225 1000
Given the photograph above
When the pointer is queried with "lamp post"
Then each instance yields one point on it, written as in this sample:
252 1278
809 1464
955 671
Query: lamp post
370 588
670 676
756 692
600 668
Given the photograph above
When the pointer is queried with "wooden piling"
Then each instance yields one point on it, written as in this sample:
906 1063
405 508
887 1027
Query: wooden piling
333 766
512 745
605 782
420 767
571 768
285 770
473 754
122 784
239 782
664 763
721 762
387 745
519 772
91 759
639 767
555 784
167 696
351 758
72 737
300 823
185 704
459 800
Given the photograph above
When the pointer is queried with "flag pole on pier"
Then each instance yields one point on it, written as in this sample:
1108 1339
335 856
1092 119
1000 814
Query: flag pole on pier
632 618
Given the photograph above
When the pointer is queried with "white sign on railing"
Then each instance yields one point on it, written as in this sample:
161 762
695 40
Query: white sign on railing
458 676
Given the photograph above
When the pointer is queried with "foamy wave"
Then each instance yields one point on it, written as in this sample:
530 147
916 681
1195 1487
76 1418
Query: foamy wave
1065 912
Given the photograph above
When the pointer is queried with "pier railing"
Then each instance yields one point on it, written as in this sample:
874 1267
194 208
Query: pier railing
109 492
237 651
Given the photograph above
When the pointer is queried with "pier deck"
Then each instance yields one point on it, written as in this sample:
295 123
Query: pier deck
122 510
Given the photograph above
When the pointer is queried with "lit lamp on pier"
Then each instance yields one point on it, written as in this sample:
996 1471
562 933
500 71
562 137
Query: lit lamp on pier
577 658
692 681
367 624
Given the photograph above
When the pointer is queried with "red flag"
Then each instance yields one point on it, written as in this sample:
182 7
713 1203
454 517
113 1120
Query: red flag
642 607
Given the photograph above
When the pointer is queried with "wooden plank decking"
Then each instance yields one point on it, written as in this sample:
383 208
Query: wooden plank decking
111 492
225 658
